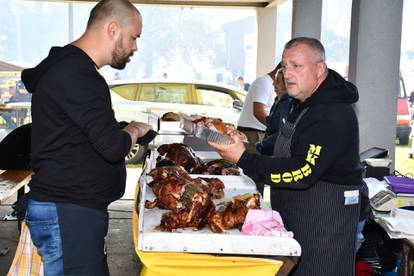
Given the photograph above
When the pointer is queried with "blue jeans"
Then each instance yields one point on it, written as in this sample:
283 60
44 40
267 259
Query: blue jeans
42 219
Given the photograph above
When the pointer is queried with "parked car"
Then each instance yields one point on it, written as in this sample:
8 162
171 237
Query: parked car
135 100
403 115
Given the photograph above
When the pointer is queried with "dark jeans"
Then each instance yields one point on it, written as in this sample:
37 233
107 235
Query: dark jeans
79 232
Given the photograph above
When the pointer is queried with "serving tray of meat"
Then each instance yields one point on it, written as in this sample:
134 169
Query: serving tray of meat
179 212
194 162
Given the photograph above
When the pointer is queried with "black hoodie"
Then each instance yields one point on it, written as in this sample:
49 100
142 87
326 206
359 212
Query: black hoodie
77 146
325 145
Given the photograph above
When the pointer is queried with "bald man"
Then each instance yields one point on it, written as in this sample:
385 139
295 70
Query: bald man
77 146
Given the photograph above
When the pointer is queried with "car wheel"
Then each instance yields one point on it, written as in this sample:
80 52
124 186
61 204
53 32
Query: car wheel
404 140
136 155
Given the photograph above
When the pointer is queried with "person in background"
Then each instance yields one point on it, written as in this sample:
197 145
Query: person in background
278 113
9 116
259 99
21 96
243 85
315 173
77 146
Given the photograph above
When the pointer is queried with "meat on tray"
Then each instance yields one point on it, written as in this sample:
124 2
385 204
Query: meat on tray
217 167
197 206
218 125
183 155
177 154
191 201
170 117
200 210
233 214
172 186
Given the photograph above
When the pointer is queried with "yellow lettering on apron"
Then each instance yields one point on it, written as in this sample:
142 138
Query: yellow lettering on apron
306 170
297 175
275 177
315 149
313 153
287 177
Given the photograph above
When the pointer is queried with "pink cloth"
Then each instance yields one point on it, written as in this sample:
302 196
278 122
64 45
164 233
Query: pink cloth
265 223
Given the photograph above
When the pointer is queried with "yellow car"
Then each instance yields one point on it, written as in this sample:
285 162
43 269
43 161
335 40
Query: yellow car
134 100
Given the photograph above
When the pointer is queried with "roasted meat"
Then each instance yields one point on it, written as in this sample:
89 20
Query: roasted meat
218 125
170 117
171 186
166 172
215 124
168 193
217 167
178 154
234 213
197 206
213 186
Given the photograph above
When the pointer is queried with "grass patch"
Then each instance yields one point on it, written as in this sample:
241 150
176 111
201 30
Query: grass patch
403 163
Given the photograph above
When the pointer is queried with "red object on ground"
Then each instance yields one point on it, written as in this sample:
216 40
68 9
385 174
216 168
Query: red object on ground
363 269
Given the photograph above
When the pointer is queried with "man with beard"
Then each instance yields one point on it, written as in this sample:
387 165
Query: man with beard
77 146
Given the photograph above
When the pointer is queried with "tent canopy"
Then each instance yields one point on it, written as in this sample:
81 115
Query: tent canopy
4 66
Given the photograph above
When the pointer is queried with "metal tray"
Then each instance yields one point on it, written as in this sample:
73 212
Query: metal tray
165 127
204 241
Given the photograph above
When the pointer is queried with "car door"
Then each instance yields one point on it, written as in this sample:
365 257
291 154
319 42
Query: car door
217 103
160 98
124 103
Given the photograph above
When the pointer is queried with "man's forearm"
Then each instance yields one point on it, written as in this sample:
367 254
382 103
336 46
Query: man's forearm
259 112
133 133
261 116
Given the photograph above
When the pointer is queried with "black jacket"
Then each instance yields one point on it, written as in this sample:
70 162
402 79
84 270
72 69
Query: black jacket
325 144
77 146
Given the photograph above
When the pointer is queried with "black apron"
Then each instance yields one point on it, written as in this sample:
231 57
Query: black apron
322 223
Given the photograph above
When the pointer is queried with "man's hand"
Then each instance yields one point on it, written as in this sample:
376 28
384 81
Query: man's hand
136 130
232 152
142 127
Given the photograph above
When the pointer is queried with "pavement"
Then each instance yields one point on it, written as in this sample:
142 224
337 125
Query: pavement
122 259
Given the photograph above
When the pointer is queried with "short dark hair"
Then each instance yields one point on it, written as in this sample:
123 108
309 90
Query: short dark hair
278 66
122 10
240 78
313 43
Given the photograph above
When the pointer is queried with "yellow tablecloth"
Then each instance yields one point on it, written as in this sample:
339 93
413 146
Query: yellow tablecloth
27 261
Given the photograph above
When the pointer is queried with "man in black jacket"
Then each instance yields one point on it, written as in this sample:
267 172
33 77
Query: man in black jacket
77 146
315 174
